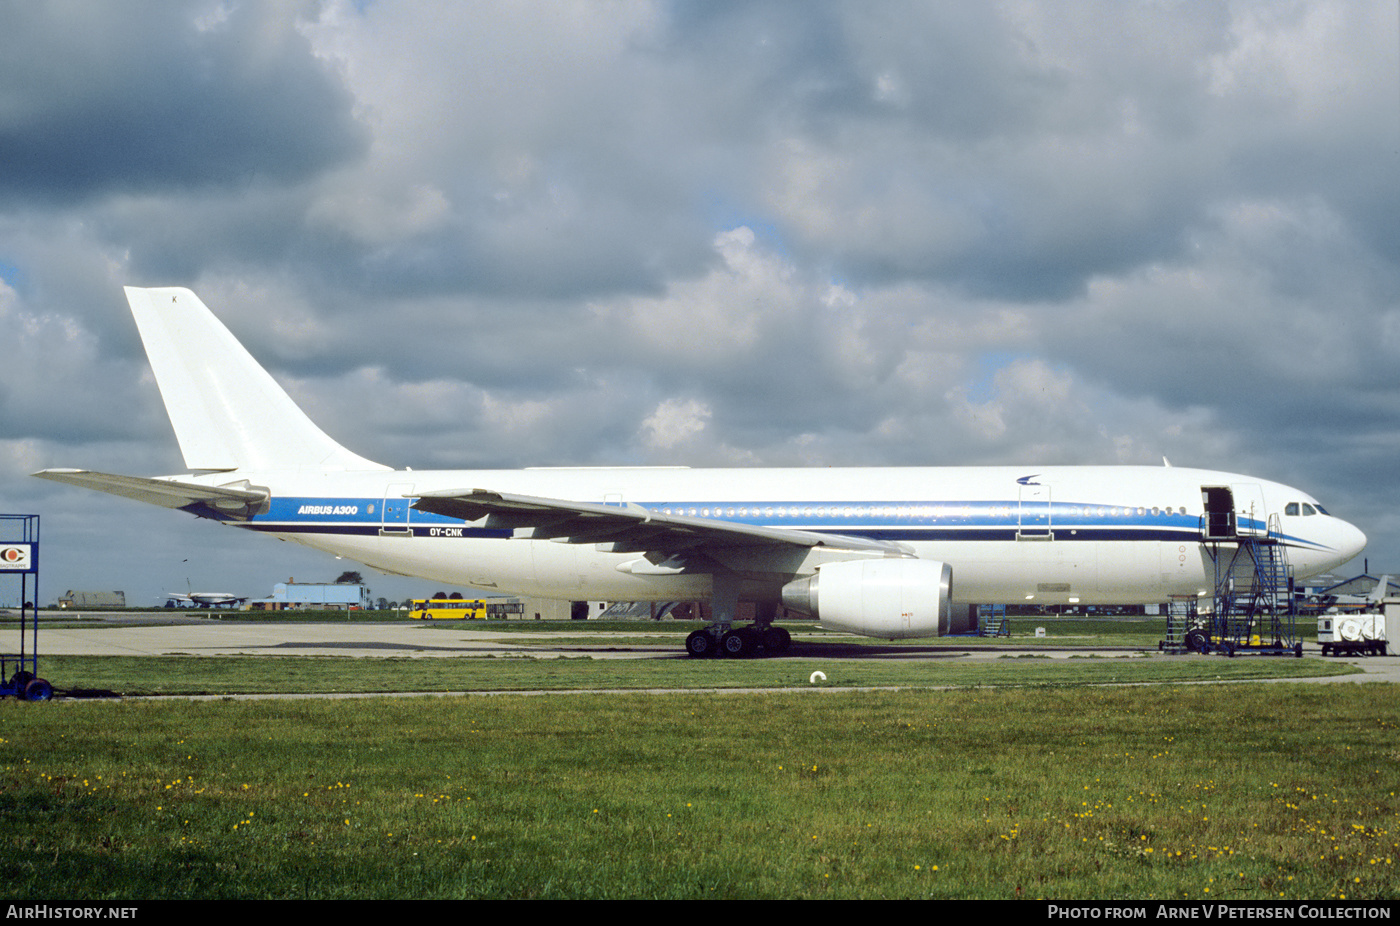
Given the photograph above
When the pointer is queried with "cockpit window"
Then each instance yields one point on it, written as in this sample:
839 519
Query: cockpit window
1321 510
1291 509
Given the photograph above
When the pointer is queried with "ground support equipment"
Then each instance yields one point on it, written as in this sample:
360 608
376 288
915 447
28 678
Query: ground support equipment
992 621
1182 626
1255 609
19 577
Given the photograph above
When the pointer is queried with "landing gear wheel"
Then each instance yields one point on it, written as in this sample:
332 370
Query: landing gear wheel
700 644
776 640
737 644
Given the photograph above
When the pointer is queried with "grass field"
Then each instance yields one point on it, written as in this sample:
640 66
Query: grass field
1050 786
105 676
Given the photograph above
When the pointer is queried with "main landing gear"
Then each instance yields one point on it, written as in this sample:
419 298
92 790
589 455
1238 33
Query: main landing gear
738 642
722 638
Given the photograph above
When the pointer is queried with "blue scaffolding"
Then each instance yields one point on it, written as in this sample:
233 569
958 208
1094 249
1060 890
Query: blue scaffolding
992 622
19 566
1255 609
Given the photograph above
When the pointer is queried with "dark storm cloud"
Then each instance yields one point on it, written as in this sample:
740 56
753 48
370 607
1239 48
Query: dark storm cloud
102 98
483 234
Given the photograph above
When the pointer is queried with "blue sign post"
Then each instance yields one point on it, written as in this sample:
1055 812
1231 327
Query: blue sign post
19 560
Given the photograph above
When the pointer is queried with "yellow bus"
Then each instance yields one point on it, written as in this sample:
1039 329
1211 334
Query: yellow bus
452 609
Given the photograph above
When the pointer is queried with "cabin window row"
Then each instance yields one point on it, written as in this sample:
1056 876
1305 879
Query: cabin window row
906 511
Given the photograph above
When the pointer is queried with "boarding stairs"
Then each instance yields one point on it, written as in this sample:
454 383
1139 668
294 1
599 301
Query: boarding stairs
992 621
1181 620
1255 609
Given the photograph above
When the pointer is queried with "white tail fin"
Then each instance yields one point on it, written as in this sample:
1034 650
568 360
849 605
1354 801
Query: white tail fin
228 412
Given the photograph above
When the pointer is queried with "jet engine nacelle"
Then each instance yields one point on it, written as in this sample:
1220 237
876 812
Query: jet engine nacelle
878 597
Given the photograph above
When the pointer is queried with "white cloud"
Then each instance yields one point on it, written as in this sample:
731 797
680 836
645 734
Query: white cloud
491 234
673 422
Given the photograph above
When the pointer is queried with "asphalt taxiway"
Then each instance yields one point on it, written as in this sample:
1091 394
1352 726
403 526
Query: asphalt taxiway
163 634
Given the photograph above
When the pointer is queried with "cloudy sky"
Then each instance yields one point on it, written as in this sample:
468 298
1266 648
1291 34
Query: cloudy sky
759 233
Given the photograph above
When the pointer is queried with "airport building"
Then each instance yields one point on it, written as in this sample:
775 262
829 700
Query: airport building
291 595
78 599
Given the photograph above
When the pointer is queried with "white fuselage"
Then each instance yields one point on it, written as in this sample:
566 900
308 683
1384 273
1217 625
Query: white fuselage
1049 535
886 552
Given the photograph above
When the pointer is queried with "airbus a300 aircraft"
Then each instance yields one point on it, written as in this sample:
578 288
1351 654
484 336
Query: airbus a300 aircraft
888 552
203 600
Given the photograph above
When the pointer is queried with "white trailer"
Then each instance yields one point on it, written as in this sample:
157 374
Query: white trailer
1361 634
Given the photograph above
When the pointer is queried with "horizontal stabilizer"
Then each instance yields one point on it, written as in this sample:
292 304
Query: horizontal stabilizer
232 501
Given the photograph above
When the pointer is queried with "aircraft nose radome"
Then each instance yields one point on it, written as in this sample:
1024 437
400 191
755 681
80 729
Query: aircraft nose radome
1353 541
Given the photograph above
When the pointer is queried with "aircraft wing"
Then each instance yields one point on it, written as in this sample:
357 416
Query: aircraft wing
631 528
168 493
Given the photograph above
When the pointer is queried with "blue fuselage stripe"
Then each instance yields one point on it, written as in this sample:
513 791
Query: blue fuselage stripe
929 521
